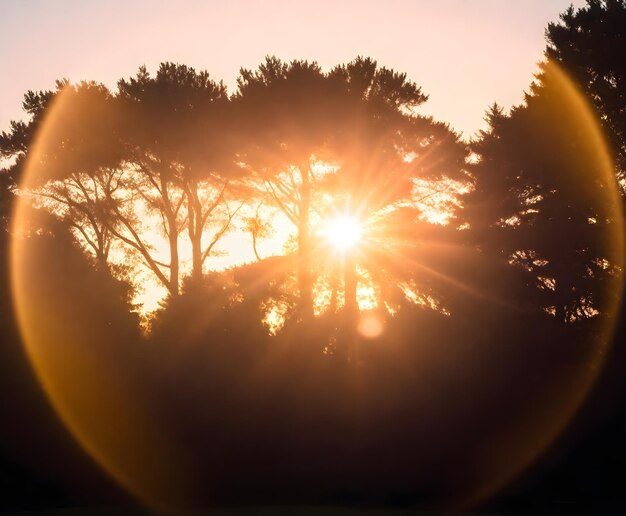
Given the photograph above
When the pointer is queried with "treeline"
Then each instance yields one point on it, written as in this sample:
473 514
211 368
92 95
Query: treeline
175 155
490 329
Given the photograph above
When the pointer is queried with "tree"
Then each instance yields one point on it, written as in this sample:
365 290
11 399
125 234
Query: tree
66 162
542 201
588 43
117 167
284 114
14 146
349 137
179 143
386 147
258 228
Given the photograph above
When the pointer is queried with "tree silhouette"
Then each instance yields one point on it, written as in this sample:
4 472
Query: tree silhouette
589 44
540 202
178 140
347 139
116 166
75 166
259 228
284 114
386 146
14 146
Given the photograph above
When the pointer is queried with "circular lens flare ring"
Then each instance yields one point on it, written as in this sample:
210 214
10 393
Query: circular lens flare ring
146 463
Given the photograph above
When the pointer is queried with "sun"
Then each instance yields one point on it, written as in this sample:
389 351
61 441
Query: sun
343 232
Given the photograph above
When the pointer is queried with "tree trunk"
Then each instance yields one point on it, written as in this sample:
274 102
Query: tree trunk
304 248
350 281
172 236
351 307
195 237
194 209
174 267
256 252
102 260
196 258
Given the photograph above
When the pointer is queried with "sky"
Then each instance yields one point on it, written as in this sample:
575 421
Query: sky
465 54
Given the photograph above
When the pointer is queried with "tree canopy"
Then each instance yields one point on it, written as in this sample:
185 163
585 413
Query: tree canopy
588 43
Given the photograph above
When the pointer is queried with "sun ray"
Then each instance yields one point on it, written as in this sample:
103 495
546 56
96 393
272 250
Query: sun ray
343 232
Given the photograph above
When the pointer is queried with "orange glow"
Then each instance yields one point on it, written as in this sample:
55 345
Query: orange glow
343 233
115 424
370 326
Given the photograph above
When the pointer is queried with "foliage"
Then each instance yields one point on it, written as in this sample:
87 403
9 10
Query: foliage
589 44
540 198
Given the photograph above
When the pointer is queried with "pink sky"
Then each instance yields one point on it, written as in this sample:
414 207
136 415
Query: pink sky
464 54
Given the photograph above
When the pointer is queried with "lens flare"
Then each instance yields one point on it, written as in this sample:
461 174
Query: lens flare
370 326
343 233
108 406
86 369
520 445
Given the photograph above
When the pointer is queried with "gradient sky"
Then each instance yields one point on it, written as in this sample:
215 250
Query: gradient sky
465 54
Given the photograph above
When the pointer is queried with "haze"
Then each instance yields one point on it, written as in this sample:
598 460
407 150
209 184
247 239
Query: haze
465 55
